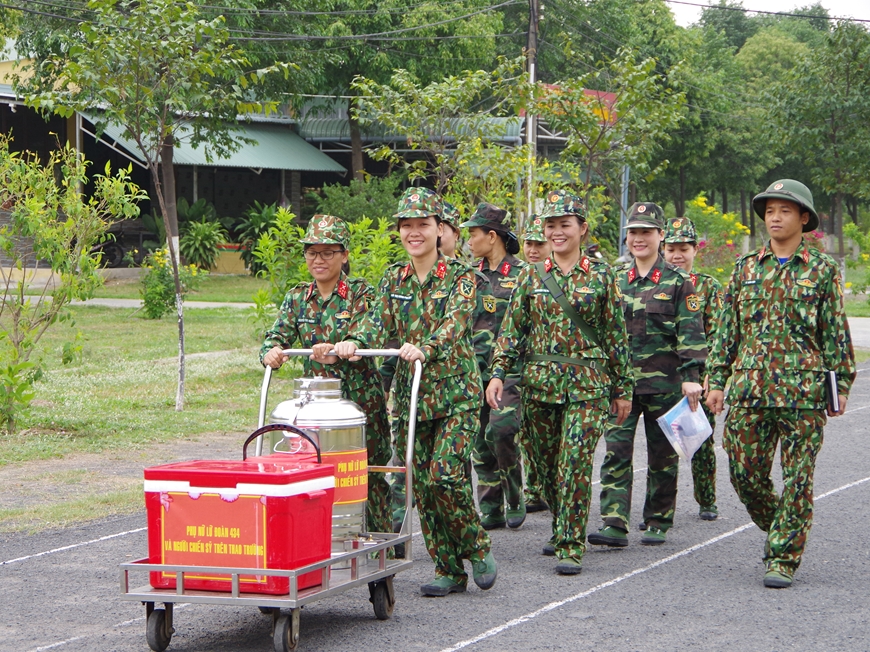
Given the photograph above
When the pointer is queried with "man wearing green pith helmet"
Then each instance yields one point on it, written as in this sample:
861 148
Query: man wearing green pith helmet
783 330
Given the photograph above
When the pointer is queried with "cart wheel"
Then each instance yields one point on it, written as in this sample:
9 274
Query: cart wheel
286 636
382 598
268 611
156 632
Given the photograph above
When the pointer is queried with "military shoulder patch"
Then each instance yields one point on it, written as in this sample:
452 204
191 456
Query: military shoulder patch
466 288
693 303
489 303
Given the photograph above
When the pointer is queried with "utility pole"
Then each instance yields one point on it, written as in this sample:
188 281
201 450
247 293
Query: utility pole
531 122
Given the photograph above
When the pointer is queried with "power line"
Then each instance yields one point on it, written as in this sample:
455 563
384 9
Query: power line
768 13
342 12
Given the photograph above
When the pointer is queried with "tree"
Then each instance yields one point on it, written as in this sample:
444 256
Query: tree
50 225
729 20
163 73
822 112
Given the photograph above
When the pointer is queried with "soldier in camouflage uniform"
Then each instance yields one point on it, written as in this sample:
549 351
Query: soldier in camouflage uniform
496 454
681 246
783 326
571 379
324 311
536 249
666 335
450 234
428 304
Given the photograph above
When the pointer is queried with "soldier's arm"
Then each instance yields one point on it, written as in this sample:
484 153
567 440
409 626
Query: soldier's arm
726 339
283 332
510 344
614 339
691 341
712 308
835 338
457 322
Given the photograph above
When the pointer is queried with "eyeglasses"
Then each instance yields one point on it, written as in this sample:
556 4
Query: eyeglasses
325 255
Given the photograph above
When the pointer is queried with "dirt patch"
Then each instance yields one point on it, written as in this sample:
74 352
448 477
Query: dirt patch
72 478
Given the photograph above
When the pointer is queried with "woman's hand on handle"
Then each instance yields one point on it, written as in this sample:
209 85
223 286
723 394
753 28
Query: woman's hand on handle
347 350
275 358
320 353
409 353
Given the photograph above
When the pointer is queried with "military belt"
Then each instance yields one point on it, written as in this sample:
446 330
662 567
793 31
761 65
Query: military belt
564 359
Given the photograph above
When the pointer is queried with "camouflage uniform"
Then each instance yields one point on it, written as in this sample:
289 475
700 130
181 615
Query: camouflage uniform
435 315
709 292
666 335
783 325
568 382
307 318
496 455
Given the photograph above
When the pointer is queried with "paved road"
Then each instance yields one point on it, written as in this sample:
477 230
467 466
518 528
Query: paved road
700 591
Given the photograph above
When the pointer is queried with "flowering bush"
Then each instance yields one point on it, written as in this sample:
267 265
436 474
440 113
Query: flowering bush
158 286
719 235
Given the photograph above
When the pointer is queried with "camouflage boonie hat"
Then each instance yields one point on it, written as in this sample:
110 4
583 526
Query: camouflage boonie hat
679 230
450 216
793 191
645 215
493 218
419 202
327 229
559 203
534 230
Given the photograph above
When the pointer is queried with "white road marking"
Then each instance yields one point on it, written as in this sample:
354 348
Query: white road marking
560 603
71 546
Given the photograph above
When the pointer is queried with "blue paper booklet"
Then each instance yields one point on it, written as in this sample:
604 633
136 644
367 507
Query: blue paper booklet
686 430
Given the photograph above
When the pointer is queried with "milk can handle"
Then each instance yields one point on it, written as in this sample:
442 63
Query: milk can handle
278 426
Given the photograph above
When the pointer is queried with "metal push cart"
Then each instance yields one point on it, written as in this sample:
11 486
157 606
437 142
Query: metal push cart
341 572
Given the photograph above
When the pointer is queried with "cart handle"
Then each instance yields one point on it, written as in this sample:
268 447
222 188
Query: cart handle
279 426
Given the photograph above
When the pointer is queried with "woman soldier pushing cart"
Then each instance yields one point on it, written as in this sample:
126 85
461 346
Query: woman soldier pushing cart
565 318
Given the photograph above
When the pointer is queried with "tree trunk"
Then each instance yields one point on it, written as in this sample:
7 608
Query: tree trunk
751 213
724 200
743 207
170 220
356 148
838 222
712 198
852 207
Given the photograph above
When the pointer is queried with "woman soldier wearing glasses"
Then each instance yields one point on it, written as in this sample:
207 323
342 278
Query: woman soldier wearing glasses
323 311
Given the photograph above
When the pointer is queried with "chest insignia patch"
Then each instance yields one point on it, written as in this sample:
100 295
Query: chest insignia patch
489 303
466 288
344 314
584 290
693 303
439 294
806 283
662 296
510 285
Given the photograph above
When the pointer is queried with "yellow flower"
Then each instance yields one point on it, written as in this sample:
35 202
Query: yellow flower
729 242
865 257
849 284
719 269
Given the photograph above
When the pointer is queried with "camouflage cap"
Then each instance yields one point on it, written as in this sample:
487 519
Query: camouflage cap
451 215
559 203
534 230
419 202
645 215
327 229
793 191
489 216
680 229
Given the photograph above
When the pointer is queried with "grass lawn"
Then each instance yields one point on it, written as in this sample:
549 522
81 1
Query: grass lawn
120 393
857 305
224 287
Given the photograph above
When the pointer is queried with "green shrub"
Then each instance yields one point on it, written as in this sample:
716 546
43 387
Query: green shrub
256 221
158 286
375 197
199 242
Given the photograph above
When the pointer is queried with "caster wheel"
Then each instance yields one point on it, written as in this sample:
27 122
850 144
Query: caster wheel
286 637
382 598
156 632
268 611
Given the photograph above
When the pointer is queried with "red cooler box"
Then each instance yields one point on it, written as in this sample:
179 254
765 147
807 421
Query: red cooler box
272 513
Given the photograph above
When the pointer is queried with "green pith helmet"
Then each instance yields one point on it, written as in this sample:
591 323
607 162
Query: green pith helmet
419 202
492 218
679 230
450 215
645 215
327 229
535 230
559 203
793 191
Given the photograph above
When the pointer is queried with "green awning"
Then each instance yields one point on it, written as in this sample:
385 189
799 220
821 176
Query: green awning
277 148
508 130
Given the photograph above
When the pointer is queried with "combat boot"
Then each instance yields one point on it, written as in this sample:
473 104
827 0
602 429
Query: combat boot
442 586
516 517
708 513
536 505
653 536
492 521
609 535
485 571
569 566
776 580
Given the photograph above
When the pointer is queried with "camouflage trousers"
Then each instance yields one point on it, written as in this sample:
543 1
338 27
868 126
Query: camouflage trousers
378 518
617 473
751 436
533 491
442 488
704 467
496 454
563 437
